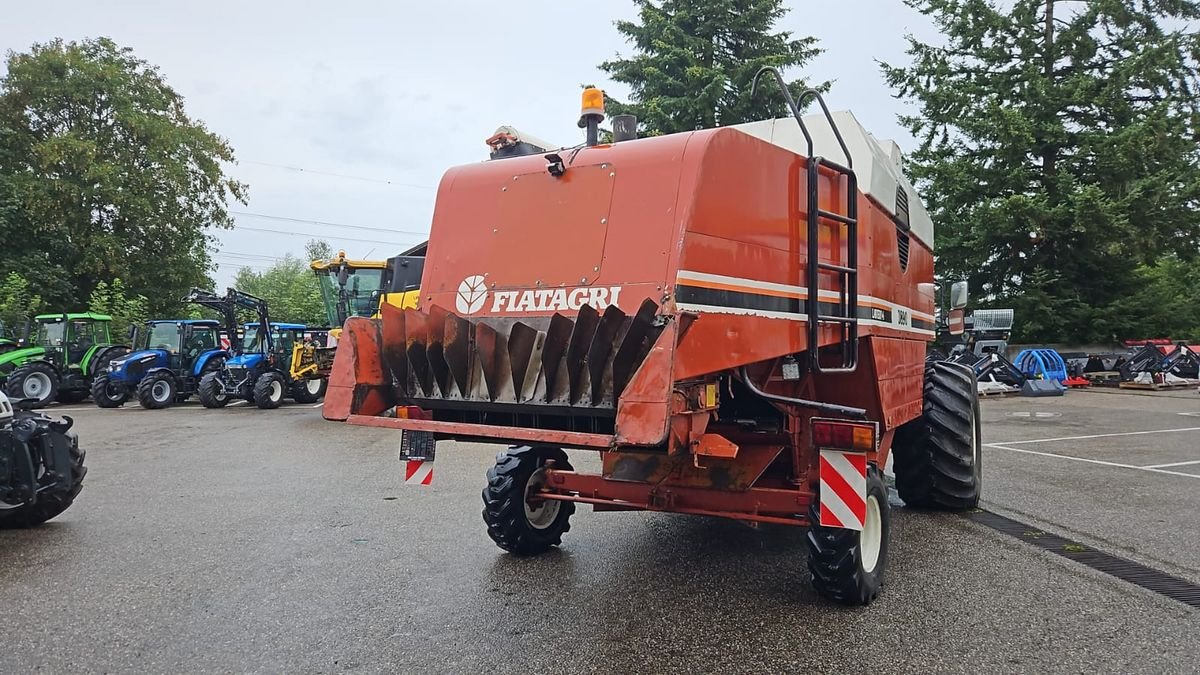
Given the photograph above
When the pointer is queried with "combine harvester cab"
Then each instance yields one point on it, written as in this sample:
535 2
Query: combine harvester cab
729 320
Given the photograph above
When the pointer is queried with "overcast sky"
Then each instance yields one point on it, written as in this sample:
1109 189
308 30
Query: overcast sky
347 113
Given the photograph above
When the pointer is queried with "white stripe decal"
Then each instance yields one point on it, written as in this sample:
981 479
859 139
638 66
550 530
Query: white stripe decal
799 291
791 316
831 501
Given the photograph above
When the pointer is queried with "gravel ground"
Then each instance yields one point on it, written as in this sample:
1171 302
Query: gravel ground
272 541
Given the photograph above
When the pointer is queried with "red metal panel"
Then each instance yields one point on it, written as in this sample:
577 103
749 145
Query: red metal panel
761 504
490 433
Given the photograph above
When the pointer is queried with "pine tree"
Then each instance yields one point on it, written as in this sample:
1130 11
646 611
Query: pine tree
1057 152
695 60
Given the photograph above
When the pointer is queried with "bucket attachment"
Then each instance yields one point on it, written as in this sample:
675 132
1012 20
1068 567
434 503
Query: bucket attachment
1038 388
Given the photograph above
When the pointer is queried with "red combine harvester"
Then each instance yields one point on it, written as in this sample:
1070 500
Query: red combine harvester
724 315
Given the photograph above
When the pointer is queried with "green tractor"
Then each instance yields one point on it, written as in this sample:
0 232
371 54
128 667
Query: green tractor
63 354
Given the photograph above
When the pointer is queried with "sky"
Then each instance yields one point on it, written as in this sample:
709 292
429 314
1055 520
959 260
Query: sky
344 115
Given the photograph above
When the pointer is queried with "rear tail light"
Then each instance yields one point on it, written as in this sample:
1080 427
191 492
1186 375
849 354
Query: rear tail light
844 435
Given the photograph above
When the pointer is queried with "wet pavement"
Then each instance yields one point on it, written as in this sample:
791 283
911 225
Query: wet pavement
272 541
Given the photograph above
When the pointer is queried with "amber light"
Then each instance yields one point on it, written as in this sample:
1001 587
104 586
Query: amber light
593 102
841 435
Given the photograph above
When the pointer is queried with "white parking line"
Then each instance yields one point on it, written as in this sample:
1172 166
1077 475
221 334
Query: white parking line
236 403
1084 438
319 404
1091 461
1163 466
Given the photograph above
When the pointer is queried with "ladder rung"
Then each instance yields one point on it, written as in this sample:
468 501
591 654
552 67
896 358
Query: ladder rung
837 268
846 220
822 318
833 165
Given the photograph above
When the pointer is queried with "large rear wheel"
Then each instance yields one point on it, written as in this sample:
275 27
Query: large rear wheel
938 457
847 566
309 391
36 380
516 519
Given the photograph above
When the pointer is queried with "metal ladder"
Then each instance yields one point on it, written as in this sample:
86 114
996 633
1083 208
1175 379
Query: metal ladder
845 315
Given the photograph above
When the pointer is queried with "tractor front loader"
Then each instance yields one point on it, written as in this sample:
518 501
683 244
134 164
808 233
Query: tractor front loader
735 319
273 360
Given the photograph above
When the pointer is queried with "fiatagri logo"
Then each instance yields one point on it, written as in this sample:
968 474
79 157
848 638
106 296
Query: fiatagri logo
473 296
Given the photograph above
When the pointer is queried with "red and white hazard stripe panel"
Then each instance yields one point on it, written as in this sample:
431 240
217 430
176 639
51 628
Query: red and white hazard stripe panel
843 489
418 472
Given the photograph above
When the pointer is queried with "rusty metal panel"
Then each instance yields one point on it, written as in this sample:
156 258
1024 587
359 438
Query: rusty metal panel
601 352
553 353
659 468
581 338
634 346
458 353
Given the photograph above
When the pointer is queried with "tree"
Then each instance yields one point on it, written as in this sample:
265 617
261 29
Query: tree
289 286
103 175
1058 153
17 305
117 301
695 60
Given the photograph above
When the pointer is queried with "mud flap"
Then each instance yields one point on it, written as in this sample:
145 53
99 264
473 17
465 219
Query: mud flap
417 451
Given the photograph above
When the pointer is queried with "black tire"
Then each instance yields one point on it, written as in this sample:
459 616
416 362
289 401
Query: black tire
71 396
301 393
836 555
100 361
15 386
269 390
50 505
504 508
157 390
210 392
108 395
938 457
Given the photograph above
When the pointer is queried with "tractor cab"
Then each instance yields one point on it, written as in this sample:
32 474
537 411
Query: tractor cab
68 338
182 345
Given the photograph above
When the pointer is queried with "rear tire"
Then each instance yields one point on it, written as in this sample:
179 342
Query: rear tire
938 457
268 390
157 391
212 395
37 380
309 391
108 395
50 505
847 566
515 525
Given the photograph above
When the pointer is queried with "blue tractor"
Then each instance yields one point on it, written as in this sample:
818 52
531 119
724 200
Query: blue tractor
271 362
169 359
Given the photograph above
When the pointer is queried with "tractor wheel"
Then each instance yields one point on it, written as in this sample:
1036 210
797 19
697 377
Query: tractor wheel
157 390
937 456
516 525
309 391
847 566
51 504
37 380
268 390
108 395
212 395
71 396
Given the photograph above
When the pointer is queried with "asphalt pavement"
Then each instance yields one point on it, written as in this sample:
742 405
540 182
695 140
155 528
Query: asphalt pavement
241 540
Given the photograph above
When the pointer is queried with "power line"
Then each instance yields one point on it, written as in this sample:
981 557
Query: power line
325 235
325 223
384 181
